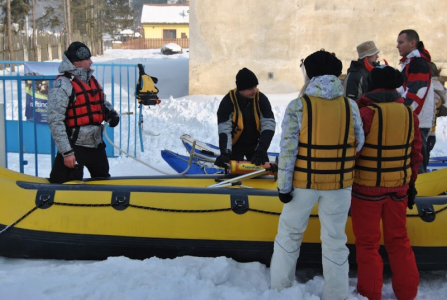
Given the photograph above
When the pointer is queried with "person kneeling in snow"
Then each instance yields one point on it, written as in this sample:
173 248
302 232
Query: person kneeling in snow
385 173
246 123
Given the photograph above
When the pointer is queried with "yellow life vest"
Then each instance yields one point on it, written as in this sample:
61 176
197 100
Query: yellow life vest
238 122
437 112
385 157
327 146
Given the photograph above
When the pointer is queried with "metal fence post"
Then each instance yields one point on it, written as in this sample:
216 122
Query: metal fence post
2 136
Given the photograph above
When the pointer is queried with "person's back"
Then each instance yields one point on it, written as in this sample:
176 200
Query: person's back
356 82
384 185
321 132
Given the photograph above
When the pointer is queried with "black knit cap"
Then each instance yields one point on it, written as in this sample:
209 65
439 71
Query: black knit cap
322 63
246 79
385 77
77 51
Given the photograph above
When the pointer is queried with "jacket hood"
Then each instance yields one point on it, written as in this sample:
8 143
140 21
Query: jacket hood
326 87
379 96
67 66
356 65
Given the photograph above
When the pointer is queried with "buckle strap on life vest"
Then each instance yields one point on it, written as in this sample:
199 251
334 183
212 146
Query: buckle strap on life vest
392 195
343 158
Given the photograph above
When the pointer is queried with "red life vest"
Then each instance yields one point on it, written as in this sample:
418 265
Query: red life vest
86 105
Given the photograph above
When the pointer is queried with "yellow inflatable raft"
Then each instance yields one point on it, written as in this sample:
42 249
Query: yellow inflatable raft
170 216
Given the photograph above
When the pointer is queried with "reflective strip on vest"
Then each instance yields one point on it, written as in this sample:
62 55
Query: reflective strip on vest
327 146
238 121
88 105
385 157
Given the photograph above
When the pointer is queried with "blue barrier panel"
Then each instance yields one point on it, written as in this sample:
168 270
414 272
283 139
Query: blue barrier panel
43 138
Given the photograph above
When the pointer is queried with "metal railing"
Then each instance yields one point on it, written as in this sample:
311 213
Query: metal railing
26 132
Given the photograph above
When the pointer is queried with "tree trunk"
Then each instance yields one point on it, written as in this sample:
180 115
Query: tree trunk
34 40
9 30
67 17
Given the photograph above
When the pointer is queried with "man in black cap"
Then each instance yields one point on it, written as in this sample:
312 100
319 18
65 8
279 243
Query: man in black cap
384 185
76 110
321 133
246 123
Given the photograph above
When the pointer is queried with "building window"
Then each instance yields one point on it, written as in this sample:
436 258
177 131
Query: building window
169 33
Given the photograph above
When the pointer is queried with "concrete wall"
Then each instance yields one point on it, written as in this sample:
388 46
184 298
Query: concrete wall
272 36
155 31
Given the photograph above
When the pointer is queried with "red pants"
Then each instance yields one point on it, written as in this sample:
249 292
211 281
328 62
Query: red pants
366 217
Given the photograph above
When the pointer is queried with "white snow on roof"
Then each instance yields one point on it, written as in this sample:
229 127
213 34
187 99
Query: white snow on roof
165 14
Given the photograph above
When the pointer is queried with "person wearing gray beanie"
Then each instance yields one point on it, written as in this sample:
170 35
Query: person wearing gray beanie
76 110
246 123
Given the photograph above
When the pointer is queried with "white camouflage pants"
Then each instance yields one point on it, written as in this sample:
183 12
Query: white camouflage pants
333 207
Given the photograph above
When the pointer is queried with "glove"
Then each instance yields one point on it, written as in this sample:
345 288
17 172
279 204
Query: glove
285 197
273 168
259 157
113 118
412 192
223 159
431 141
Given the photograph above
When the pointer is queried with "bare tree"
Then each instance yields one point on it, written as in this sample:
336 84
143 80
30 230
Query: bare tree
67 20
9 30
34 40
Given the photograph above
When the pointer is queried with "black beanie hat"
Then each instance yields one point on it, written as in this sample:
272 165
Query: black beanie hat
385 77
322 63
77 51
246 79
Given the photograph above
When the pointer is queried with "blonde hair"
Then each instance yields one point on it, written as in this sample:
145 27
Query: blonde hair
306 79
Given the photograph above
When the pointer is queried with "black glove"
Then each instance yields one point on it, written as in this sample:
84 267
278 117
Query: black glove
273 168
412 192
285 197
223 159
259 157
431 141
113 118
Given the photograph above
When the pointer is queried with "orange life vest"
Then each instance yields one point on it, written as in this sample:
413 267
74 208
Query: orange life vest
86 105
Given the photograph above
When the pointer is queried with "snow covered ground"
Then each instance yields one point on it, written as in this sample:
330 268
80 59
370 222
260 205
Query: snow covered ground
182 277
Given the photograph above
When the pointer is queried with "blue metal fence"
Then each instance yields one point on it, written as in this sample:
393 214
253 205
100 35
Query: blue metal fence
27 134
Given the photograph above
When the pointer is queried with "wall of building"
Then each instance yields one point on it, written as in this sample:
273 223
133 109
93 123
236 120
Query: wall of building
156 31
267 36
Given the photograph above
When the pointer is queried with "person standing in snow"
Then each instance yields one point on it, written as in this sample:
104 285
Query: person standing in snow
440 99
417 89
76 109
356 82
384 186
246 123
321 134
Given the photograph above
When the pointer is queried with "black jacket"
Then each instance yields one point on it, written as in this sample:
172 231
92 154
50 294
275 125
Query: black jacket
356 83
250 139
